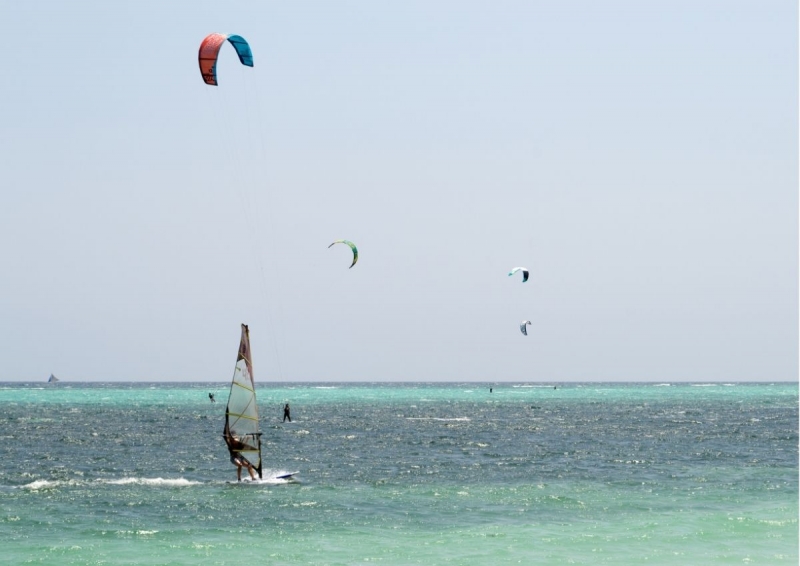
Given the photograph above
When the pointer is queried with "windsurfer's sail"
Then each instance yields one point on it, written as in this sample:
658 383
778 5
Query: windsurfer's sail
52 379
241 414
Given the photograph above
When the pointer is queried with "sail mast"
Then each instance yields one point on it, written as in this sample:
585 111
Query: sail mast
241 413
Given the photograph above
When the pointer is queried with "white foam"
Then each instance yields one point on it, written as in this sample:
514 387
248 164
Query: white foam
41 484
158 482
271 478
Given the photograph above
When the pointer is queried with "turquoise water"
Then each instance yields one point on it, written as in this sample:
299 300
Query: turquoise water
404 474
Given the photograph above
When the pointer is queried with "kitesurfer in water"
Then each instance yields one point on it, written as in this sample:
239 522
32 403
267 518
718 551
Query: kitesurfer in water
238 459
211 396
286 413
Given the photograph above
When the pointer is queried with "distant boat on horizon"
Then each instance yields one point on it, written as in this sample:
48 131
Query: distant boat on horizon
52 379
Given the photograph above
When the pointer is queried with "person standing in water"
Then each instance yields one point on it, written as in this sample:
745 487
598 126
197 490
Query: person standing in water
211 396
286 413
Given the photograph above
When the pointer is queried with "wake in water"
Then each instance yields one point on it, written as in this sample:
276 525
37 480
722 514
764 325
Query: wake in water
274 477
155 482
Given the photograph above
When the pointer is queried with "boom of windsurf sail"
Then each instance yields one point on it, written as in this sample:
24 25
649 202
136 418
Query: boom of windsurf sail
241 414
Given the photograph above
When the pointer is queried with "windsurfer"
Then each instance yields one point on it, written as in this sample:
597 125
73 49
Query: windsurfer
238 459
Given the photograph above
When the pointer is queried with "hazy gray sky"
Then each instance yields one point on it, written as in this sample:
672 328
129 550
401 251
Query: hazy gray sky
640 158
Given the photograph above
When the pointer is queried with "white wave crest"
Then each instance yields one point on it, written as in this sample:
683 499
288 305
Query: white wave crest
52 484
42 484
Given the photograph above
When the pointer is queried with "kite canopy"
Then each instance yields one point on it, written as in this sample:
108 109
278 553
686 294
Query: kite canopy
352 247
523 327
524 272
209 51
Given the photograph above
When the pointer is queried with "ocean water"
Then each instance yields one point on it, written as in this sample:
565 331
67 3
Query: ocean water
592 473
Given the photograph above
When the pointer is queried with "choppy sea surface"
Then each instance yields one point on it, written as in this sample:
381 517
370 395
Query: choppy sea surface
531 473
